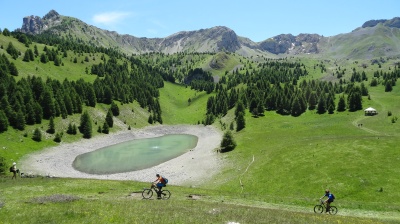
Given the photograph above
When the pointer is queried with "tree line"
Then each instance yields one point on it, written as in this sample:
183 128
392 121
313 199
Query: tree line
31 99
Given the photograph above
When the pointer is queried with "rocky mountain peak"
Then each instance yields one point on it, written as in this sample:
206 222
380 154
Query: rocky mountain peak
52 15
287 43
395 22
36 25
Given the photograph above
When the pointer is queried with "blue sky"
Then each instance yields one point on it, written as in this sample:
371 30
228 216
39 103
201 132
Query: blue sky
255 19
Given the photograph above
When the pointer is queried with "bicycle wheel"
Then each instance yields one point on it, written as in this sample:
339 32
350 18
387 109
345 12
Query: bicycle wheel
319 209
147 193
165 194
333 210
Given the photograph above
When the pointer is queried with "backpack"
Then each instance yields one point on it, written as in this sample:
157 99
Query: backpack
11 169
333 197
166 180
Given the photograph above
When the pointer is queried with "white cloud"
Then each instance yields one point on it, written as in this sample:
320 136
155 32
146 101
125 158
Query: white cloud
110 18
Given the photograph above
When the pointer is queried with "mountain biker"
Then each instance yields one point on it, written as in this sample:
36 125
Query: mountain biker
159 183
329 200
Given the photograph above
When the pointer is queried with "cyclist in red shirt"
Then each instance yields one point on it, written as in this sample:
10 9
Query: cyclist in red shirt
159 183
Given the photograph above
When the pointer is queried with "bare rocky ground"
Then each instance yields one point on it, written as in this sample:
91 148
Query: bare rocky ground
189 169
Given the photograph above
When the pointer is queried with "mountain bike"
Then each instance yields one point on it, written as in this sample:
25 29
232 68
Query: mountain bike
322 207
148 192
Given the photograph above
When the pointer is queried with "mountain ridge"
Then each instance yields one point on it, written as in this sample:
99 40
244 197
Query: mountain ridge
219 38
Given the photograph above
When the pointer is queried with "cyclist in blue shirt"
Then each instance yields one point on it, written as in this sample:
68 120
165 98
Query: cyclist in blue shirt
328 201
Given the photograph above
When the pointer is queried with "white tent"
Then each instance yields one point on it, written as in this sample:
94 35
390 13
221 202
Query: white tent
370 111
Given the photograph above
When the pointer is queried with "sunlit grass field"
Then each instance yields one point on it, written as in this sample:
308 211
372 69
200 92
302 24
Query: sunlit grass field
56 200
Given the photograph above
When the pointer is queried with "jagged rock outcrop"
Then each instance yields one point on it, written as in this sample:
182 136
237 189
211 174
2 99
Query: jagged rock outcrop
32 25
36 25
287 43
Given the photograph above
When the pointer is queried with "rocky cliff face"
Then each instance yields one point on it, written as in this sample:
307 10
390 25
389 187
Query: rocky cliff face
36 25
287 43
32 25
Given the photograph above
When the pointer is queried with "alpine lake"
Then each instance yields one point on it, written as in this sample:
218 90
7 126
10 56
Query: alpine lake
135 155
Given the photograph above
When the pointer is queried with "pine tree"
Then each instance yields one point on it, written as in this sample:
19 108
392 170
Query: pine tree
26 56
227 143
105 128
86 125
30 114
71 129
3 122
91 96
51 129
20 121
312 101
109 119
240 108
114 109
240 122
57 61
35 50
13 69
330 103
321 108
57 138
150 120
38 113
12 51
37 135
355 99
388 86
296 108
341 104
43 58
232 126
47 104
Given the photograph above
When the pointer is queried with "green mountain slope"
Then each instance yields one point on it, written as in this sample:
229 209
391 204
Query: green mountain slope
364 43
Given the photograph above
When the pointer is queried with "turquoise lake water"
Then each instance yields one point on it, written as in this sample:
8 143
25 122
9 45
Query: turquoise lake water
135 155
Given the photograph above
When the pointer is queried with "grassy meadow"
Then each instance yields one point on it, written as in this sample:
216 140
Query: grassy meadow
277 172
56 200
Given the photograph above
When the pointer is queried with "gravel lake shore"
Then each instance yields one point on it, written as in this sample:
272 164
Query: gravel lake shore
194 166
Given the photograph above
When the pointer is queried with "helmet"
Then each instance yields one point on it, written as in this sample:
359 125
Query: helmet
327 190
157 175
